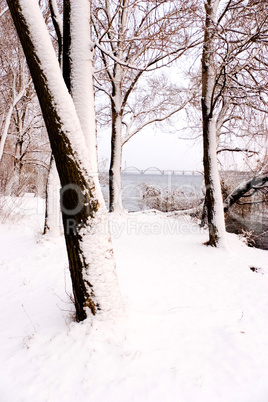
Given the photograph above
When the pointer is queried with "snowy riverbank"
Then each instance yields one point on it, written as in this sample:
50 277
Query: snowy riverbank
195 326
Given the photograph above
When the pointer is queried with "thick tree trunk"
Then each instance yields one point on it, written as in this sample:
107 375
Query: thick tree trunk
115 184
84 215
78 69
214 203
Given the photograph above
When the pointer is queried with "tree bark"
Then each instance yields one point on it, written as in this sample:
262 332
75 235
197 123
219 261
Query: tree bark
87 237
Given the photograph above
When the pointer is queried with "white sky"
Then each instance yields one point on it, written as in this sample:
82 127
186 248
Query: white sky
162 150
167 152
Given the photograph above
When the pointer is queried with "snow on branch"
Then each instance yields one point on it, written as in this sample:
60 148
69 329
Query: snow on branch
236 150
242 189
3 11
116 59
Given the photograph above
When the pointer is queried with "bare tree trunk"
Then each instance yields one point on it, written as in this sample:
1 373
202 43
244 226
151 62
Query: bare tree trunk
16 98
115 183
78 69
66 60
52 214
214 203
87 237
57 23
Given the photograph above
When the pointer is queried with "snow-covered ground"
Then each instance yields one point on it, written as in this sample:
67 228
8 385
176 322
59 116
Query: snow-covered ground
195 326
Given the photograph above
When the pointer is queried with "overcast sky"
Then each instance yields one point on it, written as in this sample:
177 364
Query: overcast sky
161 150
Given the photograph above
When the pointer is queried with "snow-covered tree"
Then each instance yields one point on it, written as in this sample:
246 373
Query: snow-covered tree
214 201
87 237
23 153
232 86
135 39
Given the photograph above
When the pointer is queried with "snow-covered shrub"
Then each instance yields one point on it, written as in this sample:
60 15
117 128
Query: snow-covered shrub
14 209
169 200
9 209
30 179
248 237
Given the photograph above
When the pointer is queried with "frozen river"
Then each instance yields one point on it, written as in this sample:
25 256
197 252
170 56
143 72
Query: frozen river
132 194
132 187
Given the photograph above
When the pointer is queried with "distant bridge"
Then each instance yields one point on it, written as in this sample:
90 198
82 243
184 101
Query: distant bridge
156 170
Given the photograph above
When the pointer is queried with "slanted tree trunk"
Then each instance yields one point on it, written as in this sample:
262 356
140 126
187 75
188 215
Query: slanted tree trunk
87 237
52 213
214 203
255 184
76 60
